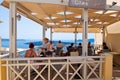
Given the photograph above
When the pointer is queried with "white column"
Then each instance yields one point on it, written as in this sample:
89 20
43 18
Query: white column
85 33
103 33
75 37
43 35
12 35
51 34
13 29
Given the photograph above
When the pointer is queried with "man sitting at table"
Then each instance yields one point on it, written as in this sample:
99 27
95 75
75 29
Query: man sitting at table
70 49
105 48
59 47
79 48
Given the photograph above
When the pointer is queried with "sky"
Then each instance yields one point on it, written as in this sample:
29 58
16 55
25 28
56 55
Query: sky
28 29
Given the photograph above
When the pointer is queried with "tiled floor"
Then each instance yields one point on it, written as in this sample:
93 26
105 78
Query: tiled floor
116 72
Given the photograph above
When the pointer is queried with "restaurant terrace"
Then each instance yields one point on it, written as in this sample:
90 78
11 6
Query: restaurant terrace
76 16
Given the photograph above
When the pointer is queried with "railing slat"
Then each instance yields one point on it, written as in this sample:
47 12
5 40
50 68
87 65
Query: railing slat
66 63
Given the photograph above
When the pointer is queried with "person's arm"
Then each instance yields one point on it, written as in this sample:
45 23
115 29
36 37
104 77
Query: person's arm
26 54
48 46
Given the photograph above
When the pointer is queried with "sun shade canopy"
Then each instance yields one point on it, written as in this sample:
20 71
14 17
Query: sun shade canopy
56 14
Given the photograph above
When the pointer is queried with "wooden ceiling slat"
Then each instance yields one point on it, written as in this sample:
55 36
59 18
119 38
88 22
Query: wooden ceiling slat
50 10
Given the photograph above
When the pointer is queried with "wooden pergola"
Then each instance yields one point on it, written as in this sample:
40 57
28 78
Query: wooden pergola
56 14
60 17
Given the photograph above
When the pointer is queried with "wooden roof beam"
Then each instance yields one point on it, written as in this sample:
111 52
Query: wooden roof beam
48 15
118 14
59 2
28 13
25 12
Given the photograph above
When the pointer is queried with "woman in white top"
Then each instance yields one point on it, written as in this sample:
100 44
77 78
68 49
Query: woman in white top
50 46
45 40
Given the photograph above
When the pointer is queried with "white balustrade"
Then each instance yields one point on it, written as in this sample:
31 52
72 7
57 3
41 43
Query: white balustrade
55 68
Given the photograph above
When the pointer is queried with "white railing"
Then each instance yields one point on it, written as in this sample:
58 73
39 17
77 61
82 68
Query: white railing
55 68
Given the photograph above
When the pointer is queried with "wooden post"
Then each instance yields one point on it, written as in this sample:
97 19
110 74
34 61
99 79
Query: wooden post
108 67
2 71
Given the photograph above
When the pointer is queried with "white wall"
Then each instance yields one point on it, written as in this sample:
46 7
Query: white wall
109 2
113 36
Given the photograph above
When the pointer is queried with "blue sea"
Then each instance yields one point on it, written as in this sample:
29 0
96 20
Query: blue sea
24 43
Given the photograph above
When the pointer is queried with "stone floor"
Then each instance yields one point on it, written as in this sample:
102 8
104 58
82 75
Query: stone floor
116 72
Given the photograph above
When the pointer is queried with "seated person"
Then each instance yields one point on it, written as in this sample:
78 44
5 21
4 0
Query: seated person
59 44
105 48
42 52
90 49
70 49
59 47
48 54
44 47
45 43
30 52
79 48
50 46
